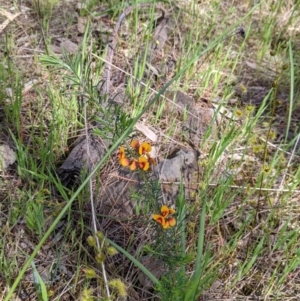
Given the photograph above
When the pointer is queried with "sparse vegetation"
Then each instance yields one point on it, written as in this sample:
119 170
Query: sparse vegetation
227 228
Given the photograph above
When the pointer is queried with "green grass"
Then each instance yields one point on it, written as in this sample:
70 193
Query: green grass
239 234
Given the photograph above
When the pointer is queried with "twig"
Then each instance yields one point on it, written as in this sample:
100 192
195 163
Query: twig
92 199
278 190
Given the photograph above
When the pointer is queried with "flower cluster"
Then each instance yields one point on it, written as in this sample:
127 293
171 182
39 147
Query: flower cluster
140 156
164 218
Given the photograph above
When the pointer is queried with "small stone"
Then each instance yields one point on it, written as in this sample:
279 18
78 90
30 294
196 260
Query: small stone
7 157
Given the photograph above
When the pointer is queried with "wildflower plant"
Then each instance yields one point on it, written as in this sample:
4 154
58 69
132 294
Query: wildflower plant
165 219
209 257
137 156
102 252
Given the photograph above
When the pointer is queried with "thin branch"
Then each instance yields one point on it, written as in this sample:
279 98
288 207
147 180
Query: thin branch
92 200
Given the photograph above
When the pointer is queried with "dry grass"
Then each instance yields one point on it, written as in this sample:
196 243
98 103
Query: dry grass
249 170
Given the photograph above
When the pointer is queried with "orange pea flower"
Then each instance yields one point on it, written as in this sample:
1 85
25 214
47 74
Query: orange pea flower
165 211
170 222
164 219
159 219
135 144
143 163
124 162
121 154
144 148
134 164
122 158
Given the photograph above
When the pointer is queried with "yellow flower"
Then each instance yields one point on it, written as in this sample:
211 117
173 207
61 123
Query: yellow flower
143 163
122 158
165 211
135 144
133 165
121 154
170 222
144 148
159 219
164 219
125 162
